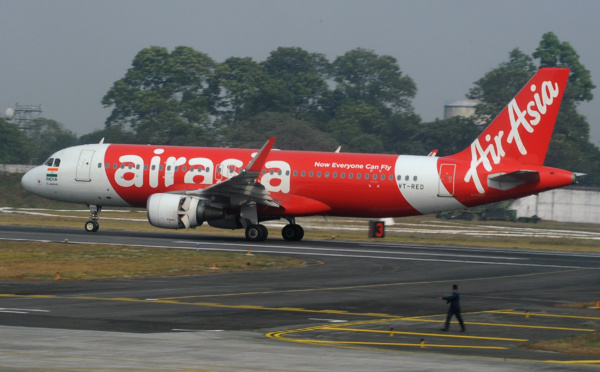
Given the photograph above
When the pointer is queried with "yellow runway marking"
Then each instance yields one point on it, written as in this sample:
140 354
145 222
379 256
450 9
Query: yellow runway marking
542 315
506 325
424 334
400 344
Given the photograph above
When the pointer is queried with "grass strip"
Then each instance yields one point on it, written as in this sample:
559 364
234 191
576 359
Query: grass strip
588 345
42 261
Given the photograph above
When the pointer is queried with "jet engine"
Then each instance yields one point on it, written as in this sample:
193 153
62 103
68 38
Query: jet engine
172 211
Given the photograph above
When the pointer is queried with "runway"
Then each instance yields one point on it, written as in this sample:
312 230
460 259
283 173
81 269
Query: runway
352 307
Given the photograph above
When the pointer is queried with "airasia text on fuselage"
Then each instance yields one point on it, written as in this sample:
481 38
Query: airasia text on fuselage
163 171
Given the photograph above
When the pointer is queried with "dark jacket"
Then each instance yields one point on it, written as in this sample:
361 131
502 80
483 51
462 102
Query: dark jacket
453 300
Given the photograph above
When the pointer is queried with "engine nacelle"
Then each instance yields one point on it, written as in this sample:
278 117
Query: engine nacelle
172 211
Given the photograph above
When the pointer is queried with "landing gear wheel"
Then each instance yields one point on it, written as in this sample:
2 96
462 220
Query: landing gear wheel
92 226
292 232
256 233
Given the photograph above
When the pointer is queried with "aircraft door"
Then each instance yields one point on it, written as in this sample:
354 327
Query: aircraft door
446 184
84 166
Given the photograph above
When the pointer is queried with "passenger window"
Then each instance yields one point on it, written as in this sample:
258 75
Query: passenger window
176 168
295 173
319 174
310 174
326 174
114 165
183 169
153 167
160 168
334 174
414 178
351 175
56 163
367 176
358 176
391 177
343 175
399 178
107 165
137 166
49 162
145 167
99 165
303 173
122 166
374 177
407 178
130 166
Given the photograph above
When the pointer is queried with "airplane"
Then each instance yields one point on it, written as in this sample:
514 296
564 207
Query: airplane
183 187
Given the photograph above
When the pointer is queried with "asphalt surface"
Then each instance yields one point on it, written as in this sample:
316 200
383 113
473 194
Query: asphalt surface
353 307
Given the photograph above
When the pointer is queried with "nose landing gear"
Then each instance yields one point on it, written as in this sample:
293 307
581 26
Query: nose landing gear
92 225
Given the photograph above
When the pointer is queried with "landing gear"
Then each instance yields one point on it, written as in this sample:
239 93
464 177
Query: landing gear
92 225
292 232
256 233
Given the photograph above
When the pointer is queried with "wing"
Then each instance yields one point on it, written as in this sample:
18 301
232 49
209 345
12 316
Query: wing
242 188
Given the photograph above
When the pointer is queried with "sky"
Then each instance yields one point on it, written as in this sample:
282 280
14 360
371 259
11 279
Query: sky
66 54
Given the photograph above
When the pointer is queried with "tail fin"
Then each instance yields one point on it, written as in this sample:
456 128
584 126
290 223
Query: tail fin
522 131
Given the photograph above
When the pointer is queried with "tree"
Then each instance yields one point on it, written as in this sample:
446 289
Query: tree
165 97
358 127
362 76
14 145
500 85
291 133
245 89
304 75
47 136
448 136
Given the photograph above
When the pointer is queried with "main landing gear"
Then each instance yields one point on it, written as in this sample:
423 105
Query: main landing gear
92 225
290 232
258 233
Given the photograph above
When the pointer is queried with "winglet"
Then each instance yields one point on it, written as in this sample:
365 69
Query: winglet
259 160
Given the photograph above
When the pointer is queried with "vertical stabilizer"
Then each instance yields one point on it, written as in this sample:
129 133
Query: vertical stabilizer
522 131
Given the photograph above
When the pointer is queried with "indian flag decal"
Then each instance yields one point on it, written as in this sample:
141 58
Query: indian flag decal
51 173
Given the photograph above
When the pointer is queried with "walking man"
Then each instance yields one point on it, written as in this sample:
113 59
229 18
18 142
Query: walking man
454 309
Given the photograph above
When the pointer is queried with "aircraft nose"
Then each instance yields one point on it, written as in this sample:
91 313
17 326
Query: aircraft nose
30 180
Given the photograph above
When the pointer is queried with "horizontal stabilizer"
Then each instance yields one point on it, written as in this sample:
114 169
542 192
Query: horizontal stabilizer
507 181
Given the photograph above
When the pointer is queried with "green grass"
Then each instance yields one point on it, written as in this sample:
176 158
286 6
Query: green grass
588 345
31 261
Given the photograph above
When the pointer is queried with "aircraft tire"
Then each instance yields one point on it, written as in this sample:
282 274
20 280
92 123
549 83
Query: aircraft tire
256 233
91 226
292 232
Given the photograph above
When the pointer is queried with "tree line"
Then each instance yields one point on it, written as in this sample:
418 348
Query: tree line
360 100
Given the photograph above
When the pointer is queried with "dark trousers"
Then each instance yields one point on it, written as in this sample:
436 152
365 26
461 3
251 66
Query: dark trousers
455 312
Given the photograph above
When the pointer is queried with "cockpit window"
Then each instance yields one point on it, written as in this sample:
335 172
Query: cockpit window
49 162
57 162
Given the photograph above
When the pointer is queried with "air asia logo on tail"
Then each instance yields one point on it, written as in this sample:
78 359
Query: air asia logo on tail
496 143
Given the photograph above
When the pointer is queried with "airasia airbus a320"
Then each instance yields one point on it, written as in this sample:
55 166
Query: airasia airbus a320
183 187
